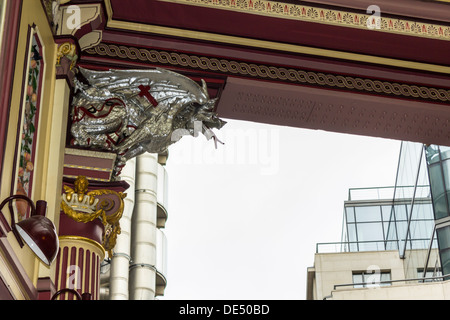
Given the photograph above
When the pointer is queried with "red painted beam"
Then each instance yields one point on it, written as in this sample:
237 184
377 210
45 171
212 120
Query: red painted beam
289 31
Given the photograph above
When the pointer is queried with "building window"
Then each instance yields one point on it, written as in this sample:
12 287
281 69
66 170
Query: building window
371 278
430 273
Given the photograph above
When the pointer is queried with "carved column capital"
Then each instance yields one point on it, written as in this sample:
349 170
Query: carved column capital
85 204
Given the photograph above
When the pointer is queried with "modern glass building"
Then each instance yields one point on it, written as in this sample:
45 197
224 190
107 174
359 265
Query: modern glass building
438 161
381 224
396 237
393 218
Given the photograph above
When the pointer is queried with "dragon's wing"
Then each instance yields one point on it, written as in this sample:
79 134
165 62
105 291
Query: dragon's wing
162 83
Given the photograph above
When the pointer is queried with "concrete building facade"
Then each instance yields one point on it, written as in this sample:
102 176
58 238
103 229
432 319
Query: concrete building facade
390 248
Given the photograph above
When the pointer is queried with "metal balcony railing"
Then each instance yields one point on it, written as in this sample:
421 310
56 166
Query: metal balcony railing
388 193
353 246
389 282
378 245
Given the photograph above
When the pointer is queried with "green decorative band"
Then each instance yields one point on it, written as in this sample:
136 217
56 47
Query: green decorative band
275 73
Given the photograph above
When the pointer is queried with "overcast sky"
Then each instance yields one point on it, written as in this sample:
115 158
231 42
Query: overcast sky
244 219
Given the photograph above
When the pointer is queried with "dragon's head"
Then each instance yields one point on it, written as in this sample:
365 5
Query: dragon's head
153 104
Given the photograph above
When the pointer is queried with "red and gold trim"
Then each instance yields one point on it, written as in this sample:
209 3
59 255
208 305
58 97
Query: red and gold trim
290 28
97 166
300 12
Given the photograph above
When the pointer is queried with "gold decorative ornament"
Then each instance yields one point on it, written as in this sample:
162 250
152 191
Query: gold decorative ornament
78 204
68 50
84 206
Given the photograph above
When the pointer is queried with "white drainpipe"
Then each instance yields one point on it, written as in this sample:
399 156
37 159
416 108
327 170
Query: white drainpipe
121 254
143 235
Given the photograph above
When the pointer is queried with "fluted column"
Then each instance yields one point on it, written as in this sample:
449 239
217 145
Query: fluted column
88 227
143 250
121 254
78 266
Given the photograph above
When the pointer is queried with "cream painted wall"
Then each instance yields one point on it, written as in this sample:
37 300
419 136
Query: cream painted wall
337 268
32 13
45 165
413 291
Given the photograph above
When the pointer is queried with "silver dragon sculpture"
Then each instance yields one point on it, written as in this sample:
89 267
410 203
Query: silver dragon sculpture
130 112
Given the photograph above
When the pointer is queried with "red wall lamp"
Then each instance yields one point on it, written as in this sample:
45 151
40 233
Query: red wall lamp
38 232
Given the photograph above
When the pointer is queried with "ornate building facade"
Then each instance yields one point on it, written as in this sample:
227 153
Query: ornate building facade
83 147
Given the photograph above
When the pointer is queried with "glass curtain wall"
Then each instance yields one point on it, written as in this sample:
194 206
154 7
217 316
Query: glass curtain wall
416 236
381 225
395 218
367 225
438 160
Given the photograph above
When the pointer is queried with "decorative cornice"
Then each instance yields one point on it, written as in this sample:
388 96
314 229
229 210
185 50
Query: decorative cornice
273 73
292 47
325 16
